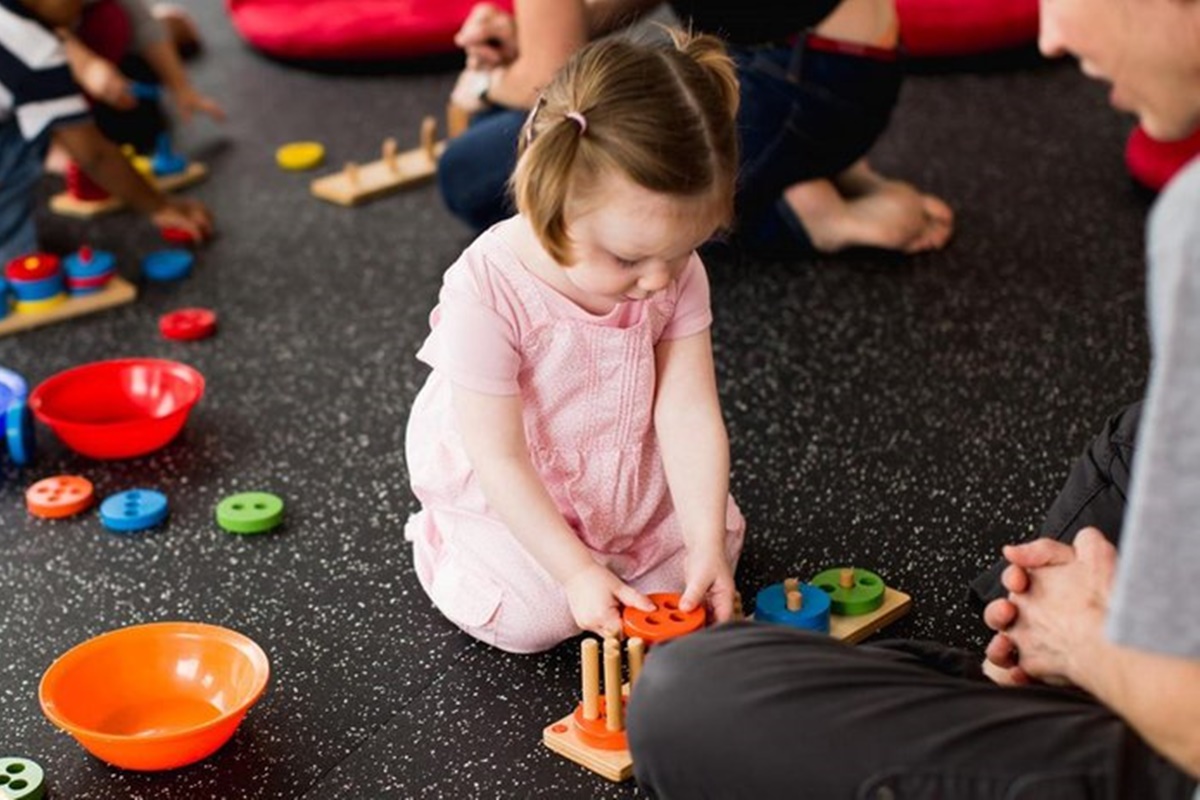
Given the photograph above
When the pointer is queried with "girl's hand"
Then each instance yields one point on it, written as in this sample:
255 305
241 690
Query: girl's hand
102 81
489 37
710 578
185 214
188 101
596 597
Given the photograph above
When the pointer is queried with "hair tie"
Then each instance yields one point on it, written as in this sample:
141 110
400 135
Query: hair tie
579 118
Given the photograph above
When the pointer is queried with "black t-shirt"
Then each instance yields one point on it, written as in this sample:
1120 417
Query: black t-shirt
748 23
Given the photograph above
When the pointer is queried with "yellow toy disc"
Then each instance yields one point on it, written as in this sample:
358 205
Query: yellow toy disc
300 155
38 306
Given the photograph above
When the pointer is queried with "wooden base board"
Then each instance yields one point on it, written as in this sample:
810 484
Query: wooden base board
855 629
617 765
64 203
118 292
377 178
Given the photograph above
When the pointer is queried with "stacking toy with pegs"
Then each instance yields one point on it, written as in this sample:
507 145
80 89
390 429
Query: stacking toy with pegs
853 592
799 605
665 622
36 280
594 735
21 779
89 271
165 160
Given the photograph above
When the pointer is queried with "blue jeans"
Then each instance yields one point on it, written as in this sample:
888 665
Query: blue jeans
805 113
20 169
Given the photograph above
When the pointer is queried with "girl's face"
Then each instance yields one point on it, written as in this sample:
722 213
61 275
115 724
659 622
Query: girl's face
630 242
1149 50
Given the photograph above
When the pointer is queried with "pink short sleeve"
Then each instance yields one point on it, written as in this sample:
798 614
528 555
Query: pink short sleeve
474 337
692 310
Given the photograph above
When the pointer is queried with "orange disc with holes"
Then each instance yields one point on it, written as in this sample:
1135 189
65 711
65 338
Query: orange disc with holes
664 622
60 496
595 732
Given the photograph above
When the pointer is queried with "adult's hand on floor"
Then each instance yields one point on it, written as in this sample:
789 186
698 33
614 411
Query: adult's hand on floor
489 37
185 214
188 101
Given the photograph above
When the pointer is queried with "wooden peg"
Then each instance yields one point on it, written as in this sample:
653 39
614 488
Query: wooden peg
612 686
636 648
590 663
428 134
791 585
846 578
457 120
389 155
738 611
794 600
351 173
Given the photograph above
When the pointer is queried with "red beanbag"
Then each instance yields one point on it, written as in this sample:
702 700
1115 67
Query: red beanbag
354 30
1153 163
966 27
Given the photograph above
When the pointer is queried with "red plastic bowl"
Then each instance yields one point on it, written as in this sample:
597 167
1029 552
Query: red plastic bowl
118 409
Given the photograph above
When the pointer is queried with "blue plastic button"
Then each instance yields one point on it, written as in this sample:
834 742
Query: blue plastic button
770 605
133 510
167 265
18 432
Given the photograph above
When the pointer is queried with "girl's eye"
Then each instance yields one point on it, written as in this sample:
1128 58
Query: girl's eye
625 262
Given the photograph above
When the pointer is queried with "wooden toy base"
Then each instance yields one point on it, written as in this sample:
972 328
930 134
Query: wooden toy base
617 765
63 203
377 178
118 292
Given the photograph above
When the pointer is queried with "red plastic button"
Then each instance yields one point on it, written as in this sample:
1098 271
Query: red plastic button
188 323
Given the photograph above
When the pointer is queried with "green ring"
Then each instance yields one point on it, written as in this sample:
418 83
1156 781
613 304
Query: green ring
864 597
250 512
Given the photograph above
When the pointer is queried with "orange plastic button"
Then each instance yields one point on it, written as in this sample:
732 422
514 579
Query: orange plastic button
664 622
60 496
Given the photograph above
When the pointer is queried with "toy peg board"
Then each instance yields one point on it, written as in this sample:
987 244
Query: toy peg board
64 203
118 292
561 737
376 178
854 629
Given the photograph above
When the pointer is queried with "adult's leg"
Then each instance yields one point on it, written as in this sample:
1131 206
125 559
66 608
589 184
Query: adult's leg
473 170
20 169
1094 495
764 711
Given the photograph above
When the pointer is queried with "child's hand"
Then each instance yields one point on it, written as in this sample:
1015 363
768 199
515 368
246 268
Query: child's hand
189 215
103 82
188 101
596 597
708 577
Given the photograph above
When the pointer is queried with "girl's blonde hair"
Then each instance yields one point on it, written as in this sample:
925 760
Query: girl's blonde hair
664 115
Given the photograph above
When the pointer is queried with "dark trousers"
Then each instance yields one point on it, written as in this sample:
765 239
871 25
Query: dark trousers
805 113
751 710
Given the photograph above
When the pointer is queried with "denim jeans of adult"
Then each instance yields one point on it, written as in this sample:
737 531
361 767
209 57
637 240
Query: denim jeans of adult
20 170
804 113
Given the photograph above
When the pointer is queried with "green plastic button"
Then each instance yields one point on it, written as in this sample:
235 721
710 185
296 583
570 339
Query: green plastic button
21 779
250 512
863 597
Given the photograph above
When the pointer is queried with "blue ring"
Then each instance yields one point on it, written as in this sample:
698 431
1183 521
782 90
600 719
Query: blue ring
19 433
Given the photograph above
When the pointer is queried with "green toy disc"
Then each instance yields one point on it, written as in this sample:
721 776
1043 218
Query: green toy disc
250 512
863 597
21 779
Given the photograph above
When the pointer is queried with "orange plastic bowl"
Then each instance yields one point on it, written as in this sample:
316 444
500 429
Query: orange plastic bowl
155 696
118 409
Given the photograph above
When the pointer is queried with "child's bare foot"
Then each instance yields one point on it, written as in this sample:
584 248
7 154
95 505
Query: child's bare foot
180 26
57 159
862 208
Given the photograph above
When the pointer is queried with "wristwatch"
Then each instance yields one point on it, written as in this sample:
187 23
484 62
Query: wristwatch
481 83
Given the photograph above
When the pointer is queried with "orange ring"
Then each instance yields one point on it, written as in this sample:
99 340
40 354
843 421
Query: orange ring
595 732
59 496
664 622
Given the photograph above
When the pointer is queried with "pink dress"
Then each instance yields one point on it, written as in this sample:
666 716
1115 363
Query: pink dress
587 389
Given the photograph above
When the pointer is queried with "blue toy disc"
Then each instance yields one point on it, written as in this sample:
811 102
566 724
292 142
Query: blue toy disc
167 265
133 510
102 262
41 289
771 606
166 161
145 91
18 432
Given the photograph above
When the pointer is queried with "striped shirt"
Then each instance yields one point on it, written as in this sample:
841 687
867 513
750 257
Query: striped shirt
36 87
